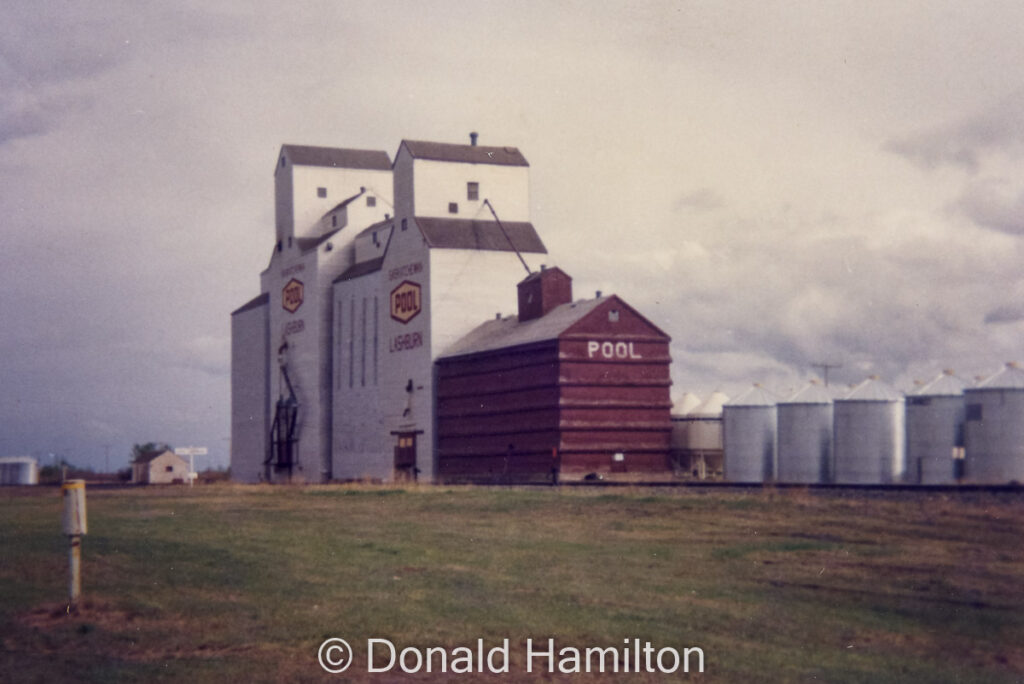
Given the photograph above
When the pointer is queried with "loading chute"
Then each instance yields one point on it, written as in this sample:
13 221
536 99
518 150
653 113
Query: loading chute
284 441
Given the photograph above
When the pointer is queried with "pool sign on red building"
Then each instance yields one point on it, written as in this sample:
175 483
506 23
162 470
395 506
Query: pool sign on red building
405 301
291 295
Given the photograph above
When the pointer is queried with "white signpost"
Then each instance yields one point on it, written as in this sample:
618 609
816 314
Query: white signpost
191 452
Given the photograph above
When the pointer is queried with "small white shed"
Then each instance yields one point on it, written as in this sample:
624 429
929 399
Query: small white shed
159 467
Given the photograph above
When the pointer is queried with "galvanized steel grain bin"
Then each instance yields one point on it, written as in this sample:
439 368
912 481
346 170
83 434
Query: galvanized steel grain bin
994 439
868 429
748 431
935 430
805 437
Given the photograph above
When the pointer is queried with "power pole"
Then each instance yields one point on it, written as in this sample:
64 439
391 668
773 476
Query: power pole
825 368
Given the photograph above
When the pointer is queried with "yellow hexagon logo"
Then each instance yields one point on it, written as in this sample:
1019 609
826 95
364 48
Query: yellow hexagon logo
291 295
405 301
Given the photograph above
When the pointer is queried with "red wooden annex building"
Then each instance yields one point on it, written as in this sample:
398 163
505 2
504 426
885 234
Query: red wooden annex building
563 390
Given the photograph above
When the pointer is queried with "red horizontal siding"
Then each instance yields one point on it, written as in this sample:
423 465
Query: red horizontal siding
543 353
490 469
601 390
601 462
572 416
610 373
637 440
511 422
487 403
534 377
541 442
624 395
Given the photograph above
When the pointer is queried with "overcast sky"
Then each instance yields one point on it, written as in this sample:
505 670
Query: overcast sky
775 184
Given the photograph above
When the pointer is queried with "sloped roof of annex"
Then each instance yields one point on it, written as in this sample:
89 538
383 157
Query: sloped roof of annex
451 233
509 331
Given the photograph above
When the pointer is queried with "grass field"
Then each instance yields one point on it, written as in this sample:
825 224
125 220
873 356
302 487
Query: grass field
232 583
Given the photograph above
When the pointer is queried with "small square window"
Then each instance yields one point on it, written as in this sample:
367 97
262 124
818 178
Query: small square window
371 201
613 316
321 192
405 224
453 208
170 469
334 221
472 191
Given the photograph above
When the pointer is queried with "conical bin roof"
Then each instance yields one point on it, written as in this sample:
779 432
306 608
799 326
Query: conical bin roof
685 404
755 396
945 385
1011 376
873 389
812 393
712 408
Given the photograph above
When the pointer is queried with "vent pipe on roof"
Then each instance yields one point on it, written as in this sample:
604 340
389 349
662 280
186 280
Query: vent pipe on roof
472 138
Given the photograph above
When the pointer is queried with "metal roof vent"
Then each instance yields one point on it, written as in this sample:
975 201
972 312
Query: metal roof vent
472 138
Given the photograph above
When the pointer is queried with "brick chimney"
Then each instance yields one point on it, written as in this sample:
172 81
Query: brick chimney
541 292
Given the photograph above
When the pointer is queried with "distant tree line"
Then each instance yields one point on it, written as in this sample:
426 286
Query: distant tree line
57 472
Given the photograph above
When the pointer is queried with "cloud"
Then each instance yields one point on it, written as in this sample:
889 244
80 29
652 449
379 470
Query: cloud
46 54
728 185
205 353
897 293
701 199
1009 308
936 148
1009 313
26 113
45 42
994 204
987 147
21 115
965 142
